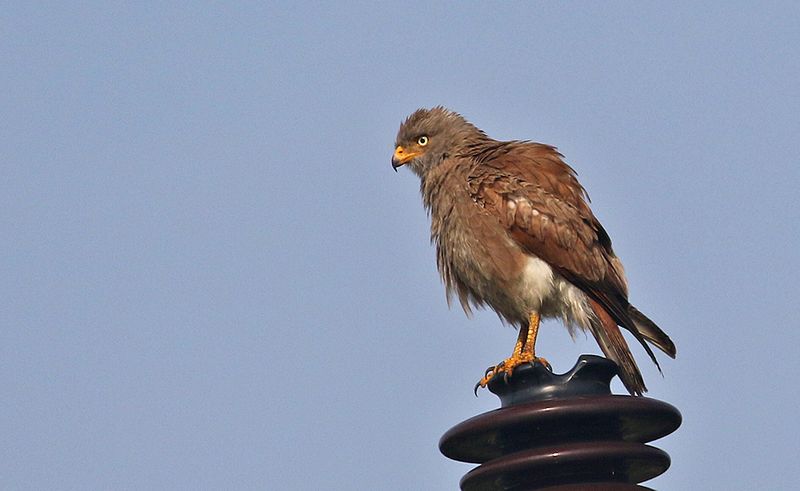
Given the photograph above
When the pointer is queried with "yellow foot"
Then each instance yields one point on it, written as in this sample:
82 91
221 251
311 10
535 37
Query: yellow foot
507 366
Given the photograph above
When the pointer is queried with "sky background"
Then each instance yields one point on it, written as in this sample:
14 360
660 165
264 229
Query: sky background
211 278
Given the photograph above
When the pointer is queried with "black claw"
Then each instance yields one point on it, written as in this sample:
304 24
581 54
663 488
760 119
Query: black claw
488 370
477 386
505 377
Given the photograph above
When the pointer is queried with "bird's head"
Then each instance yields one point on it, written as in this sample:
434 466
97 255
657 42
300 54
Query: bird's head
429 136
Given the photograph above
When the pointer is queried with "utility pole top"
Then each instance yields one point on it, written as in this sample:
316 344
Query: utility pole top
562 432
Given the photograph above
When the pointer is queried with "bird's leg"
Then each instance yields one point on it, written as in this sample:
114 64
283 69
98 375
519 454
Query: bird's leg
522 338
523 353
530 342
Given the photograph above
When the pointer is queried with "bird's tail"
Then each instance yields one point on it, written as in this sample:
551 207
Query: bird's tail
605 329
651 332
608 336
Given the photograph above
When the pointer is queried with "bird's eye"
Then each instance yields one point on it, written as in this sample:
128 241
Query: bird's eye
423 140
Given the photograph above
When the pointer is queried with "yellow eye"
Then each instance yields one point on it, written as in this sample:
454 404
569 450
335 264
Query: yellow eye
422 141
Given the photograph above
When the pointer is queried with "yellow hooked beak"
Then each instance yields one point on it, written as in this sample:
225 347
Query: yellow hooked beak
401 157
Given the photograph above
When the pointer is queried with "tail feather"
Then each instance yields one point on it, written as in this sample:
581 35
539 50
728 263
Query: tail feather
605 328
651 332
608 336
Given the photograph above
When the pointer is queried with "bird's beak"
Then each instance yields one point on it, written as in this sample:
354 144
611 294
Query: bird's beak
401 157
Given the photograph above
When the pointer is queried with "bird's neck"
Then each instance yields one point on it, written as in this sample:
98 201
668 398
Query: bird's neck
441 188
432 184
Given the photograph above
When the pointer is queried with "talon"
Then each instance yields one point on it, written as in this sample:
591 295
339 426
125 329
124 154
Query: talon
522 354
483 382
506 367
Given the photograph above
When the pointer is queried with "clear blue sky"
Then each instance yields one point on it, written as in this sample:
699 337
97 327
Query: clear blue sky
211 277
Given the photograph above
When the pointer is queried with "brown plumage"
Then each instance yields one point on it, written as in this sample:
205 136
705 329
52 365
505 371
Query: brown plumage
513 230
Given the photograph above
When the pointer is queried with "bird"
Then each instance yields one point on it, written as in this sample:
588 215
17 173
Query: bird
513 231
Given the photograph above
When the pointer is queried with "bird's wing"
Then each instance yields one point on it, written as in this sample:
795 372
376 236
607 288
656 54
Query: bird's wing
537 198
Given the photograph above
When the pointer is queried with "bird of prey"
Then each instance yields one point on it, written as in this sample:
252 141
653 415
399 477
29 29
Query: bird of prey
513 230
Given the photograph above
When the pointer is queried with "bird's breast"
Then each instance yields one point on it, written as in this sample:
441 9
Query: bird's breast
481 262
477 258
